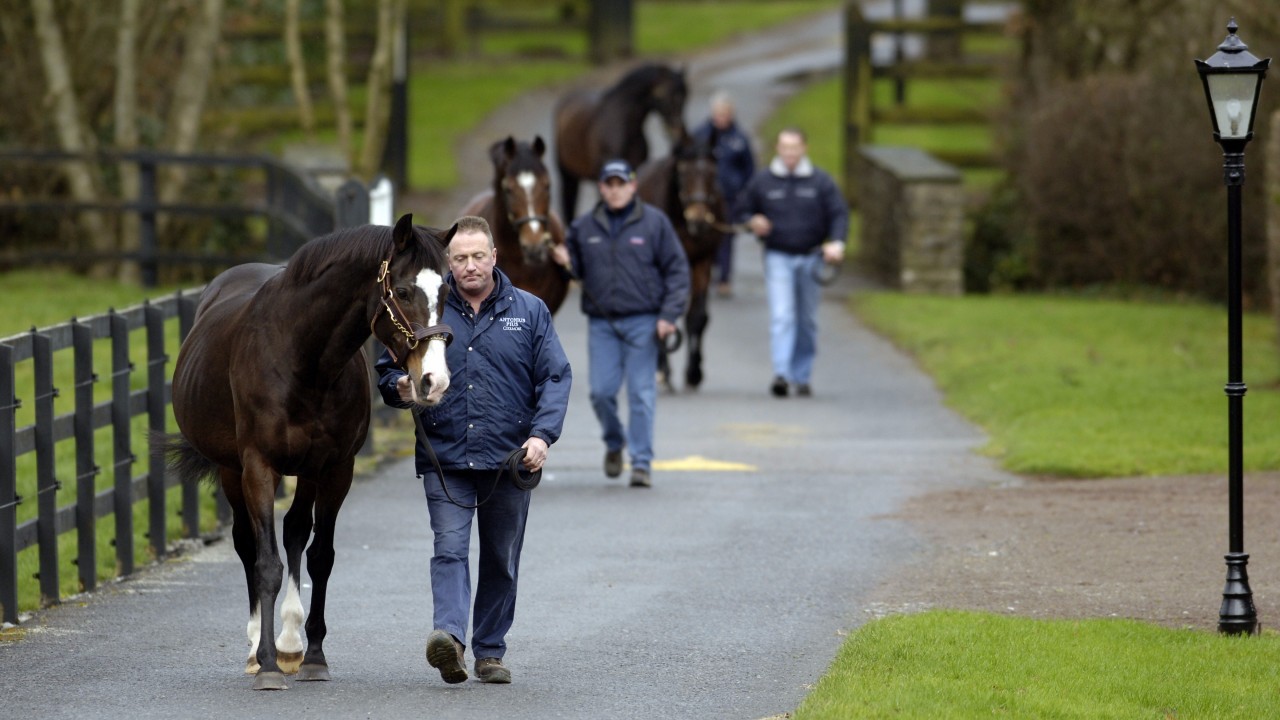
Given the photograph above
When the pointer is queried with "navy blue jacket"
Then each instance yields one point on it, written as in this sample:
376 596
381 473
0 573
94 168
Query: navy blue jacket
805 207
641 270
509 380
734 162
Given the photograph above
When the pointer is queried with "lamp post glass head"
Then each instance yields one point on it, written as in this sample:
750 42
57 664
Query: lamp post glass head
1232 77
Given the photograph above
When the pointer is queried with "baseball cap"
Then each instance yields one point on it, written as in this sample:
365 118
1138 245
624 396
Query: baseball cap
617 169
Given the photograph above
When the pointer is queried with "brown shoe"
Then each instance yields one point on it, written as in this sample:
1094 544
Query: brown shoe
613 463
491 670
444 653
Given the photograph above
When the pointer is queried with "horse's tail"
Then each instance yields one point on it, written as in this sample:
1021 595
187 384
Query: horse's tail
183 459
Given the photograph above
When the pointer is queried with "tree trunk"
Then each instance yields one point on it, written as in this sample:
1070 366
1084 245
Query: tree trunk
336 57
126 130
182 129
82 178
378 103
298 66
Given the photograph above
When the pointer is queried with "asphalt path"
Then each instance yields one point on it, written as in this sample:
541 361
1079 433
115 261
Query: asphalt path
722 592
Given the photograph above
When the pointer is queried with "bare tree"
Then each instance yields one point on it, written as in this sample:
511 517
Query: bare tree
125 107
298 66
73 136
378 104
336 54
182 129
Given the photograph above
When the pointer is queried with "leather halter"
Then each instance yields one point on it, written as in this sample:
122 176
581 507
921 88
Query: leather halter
413 332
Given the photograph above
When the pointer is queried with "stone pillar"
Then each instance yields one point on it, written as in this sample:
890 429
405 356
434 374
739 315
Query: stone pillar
912 220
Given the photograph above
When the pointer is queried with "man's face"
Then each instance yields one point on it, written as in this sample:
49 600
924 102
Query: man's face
617 193
791 147
722 115
472 259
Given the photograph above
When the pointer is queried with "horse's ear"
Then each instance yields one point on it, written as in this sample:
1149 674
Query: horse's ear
448 236
403 232
496 154
539 147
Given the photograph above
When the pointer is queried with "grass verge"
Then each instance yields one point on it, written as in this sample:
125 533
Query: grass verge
947 664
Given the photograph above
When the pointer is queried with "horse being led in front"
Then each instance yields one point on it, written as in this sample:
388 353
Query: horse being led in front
686 186
272 381
524 226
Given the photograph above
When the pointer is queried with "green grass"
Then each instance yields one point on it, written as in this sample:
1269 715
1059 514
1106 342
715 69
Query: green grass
944 664
668 28
1080 387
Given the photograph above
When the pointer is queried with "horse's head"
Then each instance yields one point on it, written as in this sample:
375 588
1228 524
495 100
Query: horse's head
698 184
668 94
522 189
410 304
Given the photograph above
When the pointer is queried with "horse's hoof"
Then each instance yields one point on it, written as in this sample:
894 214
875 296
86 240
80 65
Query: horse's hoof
289 662
269 681
313 672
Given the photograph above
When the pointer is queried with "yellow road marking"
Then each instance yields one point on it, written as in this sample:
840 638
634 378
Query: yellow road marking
697 463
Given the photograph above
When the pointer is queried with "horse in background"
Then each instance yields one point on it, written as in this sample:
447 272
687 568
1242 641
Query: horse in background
686 186
272 381
524 226
593 127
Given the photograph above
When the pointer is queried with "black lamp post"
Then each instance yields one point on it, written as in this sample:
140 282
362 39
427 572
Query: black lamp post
1232 78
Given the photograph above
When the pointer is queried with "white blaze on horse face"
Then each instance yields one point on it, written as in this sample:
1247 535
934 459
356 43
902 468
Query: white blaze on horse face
527 181
433 365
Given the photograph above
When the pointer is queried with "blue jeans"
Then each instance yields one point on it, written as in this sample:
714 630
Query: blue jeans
617 349
502 520
792 288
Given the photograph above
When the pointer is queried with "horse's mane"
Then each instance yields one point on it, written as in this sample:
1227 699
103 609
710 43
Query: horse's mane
361 246
639 80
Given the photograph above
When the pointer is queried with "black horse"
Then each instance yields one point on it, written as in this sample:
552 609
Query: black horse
593 127
272 381
686 186
524 226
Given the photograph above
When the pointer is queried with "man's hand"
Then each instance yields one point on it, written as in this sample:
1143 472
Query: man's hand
833 252
560 255
404 386
760 225
665 328
535 454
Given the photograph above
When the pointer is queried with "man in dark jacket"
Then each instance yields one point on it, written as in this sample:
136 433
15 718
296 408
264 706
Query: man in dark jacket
635 285
509 388
799 213
734 167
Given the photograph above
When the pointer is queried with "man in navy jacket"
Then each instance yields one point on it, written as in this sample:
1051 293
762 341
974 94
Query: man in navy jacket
734 167
799 213
635 286
509 388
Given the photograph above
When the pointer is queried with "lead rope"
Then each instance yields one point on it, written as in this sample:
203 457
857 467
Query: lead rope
510 465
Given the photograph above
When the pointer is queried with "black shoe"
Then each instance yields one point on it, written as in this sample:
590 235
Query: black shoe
779 386
491 670
444 653
803 390
640 478
613 463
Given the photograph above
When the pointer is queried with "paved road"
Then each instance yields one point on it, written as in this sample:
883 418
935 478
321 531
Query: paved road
722 592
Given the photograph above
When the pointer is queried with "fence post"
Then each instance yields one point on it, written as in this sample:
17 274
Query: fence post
610 30
147 202
86 467
857 95
122 457
156 490
395 154
351 204
382 198
8 489
46 473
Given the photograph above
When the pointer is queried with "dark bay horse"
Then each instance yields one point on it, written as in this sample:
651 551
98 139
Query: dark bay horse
592 127
524 226
272 381
686 185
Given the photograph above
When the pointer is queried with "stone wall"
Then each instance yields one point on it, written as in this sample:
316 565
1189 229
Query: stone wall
912 208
